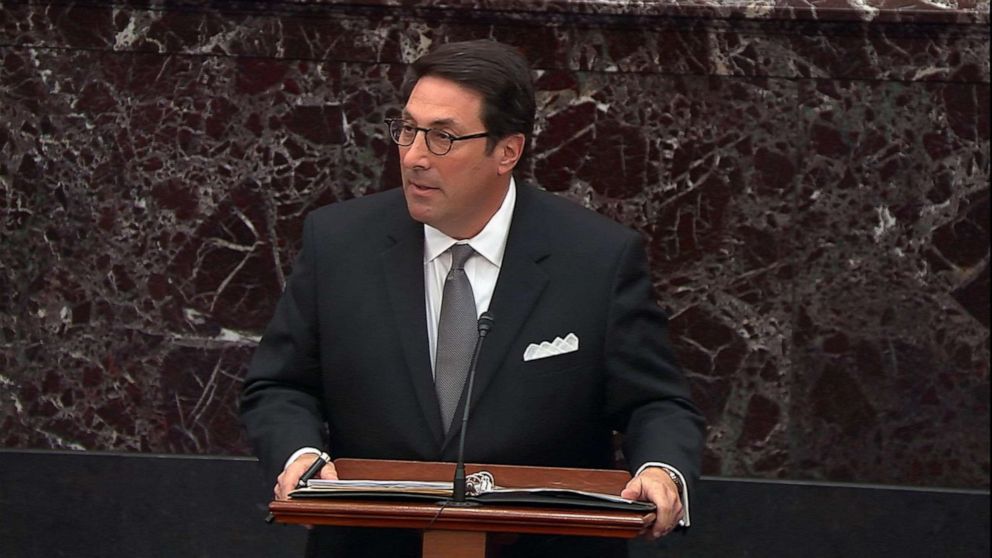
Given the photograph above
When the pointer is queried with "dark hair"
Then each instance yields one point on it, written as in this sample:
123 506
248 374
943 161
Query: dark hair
496 71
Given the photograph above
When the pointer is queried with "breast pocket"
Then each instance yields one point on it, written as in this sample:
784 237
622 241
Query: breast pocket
542 368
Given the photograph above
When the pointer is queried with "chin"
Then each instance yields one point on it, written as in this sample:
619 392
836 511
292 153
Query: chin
418 212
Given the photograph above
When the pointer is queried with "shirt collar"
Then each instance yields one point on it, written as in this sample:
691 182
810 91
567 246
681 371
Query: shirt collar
490 243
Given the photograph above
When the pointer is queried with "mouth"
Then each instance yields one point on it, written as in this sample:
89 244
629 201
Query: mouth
420 187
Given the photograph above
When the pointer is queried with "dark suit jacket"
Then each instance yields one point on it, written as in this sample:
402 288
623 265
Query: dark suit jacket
348 347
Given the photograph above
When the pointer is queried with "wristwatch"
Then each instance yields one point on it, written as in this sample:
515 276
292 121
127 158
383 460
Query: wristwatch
675 478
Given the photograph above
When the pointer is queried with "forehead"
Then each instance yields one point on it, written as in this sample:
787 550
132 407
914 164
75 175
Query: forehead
438 101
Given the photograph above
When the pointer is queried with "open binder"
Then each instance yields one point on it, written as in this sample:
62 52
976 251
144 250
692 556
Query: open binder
482 489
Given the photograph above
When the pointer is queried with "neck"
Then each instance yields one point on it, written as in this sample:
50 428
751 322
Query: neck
463 231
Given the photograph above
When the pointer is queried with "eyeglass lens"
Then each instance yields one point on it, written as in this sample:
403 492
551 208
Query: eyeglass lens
438 142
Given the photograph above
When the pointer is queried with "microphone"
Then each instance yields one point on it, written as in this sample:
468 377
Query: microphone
458 488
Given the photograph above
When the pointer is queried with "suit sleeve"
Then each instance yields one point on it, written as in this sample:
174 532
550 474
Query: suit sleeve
648 398
281 402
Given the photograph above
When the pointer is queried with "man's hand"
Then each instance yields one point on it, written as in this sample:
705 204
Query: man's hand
286 482
655 486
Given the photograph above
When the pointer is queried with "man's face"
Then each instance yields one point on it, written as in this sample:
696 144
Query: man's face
459 192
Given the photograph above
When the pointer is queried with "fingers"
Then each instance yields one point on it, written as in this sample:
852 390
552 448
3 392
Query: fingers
665 523
286 482
328 472
655 486
633 489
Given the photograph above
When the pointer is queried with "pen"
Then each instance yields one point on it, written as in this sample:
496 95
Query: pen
310 473
315 468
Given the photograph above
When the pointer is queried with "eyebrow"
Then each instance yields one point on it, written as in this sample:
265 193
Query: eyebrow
433 124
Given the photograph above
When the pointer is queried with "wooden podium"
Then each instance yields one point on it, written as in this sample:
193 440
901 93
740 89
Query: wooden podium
461 532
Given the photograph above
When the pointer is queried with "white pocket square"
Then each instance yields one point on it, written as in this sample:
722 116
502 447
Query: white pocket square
546 349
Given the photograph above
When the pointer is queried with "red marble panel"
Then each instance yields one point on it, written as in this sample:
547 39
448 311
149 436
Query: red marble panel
812 179
891 370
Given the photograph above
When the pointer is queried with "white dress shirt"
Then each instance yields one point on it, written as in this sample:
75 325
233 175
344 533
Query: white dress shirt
482 269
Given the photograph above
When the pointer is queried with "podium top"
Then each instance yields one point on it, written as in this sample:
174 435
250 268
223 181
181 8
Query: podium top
365 512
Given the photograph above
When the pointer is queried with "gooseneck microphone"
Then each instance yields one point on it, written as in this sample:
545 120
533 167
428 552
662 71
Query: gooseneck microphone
458 491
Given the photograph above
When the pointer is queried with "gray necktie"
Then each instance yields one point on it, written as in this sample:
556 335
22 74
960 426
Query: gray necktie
456 334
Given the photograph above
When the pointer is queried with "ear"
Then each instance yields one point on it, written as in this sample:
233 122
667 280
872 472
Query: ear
509 150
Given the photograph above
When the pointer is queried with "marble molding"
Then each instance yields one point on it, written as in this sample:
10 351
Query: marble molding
812 178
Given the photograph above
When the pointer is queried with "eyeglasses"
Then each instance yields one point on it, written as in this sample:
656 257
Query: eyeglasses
438 142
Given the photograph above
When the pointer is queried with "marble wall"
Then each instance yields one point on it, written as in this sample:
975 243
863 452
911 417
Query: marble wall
813 179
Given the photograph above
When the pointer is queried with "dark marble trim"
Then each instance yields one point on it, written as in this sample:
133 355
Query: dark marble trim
874 11
310 31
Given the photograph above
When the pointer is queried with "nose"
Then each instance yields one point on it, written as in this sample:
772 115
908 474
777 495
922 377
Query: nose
416 155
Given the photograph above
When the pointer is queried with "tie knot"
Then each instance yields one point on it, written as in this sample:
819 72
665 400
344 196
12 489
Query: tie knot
460 253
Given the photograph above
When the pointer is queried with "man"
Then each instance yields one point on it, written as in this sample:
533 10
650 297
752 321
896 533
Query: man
362 357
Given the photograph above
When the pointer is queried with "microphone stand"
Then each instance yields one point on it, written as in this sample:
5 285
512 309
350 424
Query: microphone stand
458 488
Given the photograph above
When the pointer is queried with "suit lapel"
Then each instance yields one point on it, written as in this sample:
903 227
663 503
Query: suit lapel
518 288
403 267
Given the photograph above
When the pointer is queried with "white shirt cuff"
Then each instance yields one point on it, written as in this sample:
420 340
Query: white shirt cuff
684 522
298 453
